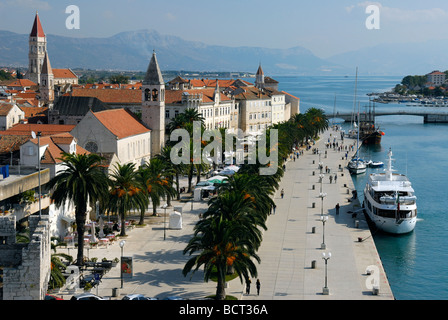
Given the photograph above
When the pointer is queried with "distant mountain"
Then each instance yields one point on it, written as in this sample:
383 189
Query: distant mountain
132 51
397 58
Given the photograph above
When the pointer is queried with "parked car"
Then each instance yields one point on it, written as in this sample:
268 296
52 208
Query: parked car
136 296
87 296
52 297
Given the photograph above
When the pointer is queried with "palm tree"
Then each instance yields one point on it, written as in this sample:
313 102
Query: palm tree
155 179
81 182
176 169
126 192
57 279
221 245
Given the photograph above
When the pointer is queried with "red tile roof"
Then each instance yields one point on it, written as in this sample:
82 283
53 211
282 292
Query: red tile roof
37 30
121 122
175 96
33 111
110 96
5 108
21 83
54 152
45 129
64 74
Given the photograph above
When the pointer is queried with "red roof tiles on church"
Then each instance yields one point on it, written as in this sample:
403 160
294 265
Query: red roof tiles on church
37 30
64 74
121 123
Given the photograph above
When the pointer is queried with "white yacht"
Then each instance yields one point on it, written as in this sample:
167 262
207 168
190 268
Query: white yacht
357 166
389 201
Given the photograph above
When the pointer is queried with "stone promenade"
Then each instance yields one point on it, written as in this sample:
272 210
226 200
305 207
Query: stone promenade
291 266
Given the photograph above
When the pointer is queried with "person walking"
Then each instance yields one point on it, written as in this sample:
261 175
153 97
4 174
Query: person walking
274 207
258 284
331 179
337 209
248 282
282 193
335 178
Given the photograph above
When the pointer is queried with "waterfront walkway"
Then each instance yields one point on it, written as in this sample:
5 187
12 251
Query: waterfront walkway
291 266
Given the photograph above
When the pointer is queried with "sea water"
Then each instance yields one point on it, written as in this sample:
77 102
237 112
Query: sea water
417 263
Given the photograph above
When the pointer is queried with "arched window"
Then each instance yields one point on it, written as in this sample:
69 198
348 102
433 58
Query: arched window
155 95
147 95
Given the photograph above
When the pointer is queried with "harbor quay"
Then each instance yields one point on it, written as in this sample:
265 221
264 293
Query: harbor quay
292 265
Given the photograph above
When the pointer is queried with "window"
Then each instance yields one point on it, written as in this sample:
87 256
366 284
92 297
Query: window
91 147
167 114
147 95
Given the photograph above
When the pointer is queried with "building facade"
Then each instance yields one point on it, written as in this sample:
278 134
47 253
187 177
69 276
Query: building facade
115 131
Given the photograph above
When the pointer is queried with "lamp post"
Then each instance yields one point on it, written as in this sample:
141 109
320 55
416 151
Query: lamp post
321 179
326 257
122 243
164 225
39 134
322 195
324 220
321 165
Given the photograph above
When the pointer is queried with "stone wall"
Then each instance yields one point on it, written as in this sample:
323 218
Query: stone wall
26 267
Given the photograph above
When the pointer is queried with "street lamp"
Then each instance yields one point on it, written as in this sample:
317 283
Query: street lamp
324 220
326 257
39 134
164 228
322 195
122 243
321 165
321 179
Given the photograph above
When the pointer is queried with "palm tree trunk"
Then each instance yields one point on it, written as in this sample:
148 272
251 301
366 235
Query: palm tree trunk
177 186
142 217
221 287
123 224
168 200
80 226
190 177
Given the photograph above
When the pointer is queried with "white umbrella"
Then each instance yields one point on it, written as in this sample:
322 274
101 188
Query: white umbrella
101 224
217 179
92 232
233 168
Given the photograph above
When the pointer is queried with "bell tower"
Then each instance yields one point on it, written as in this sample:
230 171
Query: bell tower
38 48
46 85
259 78
153 105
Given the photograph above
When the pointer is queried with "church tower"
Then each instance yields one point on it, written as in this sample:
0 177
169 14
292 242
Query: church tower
259 78
46 85
38 48
153 105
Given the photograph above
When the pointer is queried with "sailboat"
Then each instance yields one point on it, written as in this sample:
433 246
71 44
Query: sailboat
356 165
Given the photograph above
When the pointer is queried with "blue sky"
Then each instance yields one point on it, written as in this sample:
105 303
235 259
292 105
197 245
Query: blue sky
326 27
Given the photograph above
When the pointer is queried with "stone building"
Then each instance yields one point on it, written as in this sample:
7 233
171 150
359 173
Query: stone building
24 267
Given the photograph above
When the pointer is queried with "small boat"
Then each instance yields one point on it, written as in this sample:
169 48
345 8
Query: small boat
390 202
376 164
